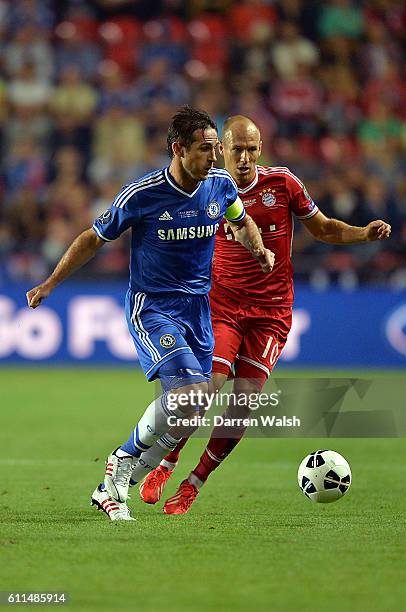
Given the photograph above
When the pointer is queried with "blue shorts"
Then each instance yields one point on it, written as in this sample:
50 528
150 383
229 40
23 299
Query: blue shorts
169 329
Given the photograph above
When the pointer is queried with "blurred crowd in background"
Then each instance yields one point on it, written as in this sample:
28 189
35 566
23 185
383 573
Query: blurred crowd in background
88 89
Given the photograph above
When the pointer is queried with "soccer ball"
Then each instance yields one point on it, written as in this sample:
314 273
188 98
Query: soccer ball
324 476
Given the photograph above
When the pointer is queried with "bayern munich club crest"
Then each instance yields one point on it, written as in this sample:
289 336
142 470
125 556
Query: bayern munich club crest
167 341
268 198
213 210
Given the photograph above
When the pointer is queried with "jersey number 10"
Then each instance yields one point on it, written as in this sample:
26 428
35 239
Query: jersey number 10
274 352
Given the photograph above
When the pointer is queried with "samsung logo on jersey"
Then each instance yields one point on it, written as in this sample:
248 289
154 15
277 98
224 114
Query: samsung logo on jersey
186 233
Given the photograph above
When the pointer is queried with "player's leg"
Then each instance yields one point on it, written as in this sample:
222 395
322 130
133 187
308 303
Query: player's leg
155 334
228 335
265 336
260 350
151 439
222 441
198 335
170 461
156 442
153 484
172 374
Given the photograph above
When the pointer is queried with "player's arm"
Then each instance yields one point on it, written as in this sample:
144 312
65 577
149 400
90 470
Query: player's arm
334 231
246 232
107 227
82 249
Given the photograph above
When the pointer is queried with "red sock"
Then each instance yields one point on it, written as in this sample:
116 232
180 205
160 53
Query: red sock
215 452
173 456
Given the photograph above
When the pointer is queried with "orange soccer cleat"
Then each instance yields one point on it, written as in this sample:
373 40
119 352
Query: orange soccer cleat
182 500
153 484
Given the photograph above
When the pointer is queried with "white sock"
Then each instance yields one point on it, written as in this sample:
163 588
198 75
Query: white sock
154 423
151 458
194 480
167 464
120 453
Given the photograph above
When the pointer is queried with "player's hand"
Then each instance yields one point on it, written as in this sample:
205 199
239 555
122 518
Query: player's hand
377 230
36 295
266 260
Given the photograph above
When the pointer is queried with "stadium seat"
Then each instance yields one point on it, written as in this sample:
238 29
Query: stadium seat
122 37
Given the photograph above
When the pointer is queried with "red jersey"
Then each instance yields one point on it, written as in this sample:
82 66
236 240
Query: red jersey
271 198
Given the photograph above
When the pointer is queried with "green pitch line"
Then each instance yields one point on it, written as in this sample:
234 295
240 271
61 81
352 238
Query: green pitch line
251 540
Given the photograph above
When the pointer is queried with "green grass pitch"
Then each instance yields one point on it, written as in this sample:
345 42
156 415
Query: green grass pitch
251 541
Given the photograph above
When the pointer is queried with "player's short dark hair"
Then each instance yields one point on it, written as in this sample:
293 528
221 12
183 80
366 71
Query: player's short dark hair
184 123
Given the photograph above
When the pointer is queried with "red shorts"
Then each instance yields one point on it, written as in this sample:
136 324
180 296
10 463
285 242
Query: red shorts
250 337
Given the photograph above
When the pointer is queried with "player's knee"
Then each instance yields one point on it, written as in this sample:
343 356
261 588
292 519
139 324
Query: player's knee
244 392
180 373
192 398
217 382
247 386
194 388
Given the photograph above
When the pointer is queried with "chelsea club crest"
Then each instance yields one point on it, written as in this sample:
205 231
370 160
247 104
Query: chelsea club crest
167 341
213 210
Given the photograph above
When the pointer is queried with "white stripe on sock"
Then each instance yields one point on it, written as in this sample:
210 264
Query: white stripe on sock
194 480
168 465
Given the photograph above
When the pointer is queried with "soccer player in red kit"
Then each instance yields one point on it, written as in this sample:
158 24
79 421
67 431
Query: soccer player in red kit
251 313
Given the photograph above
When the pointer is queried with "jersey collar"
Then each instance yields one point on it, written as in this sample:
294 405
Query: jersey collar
176 186
252 184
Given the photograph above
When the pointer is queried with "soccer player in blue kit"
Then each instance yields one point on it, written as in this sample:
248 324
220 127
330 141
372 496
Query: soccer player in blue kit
174 214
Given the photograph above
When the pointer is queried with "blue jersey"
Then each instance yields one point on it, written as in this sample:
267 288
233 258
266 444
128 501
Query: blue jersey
173 231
